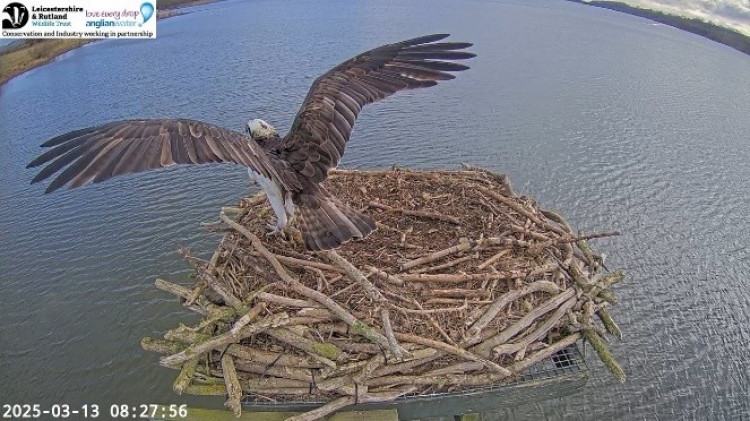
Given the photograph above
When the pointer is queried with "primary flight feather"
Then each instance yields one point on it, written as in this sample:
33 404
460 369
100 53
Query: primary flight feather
291 169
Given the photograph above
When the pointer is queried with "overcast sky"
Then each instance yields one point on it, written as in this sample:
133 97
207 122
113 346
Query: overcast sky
733 13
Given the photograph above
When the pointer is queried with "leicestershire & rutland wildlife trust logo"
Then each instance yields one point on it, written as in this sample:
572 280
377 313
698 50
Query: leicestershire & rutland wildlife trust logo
78 19
17 16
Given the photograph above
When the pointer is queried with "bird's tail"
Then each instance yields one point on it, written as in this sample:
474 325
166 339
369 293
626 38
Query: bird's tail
327 223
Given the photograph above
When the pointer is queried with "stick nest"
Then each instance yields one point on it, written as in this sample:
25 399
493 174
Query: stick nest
464 284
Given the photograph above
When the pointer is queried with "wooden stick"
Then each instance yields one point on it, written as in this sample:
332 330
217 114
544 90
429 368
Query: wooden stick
214 283
609 323
253 200
161 346
457 368
457 293
293 261
245 352
323 352
450 349
206 390
445 379
355 275
445 265
604 354
335 405
538 333
285 301
223 340
463 245
606 282
317 312
392 279
485 347
502 179
248 317
201 305
280 371
419 357
394 346
522 210
320 412
449 277
186 335
557 218
232 383
507 298
464 303
260 383
201 378
493 259
421 310
545 353
420 214
186 375
555 241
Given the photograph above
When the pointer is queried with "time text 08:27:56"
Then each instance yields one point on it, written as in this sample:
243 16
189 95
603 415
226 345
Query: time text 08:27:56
121 411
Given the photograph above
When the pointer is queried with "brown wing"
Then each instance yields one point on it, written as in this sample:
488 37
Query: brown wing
324 123
99 153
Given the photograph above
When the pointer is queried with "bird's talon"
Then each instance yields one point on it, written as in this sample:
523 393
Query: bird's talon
272 230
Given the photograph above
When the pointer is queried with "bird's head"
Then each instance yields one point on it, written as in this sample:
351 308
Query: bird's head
260 130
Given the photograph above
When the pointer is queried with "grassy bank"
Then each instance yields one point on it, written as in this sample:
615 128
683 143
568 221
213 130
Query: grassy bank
33 53
720 34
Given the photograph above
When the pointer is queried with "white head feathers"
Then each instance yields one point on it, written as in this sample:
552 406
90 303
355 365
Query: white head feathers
260 129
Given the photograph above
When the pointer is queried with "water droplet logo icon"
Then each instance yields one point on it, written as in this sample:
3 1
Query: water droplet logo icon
147 10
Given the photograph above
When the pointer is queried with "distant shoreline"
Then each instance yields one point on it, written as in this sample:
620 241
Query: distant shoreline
19 58
720 34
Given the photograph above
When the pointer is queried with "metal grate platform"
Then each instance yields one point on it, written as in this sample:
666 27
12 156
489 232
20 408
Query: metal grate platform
564 373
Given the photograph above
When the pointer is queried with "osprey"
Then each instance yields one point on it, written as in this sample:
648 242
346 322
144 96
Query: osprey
290 169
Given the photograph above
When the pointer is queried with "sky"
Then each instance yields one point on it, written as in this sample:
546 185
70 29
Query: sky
732 13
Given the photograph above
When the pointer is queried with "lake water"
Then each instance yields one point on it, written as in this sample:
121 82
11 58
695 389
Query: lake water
613 121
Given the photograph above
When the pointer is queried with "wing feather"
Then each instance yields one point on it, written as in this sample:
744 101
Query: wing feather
102 152
327 115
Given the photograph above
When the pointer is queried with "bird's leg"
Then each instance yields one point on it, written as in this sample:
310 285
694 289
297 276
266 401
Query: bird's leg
275 198
289 230
281 223
289 207
278 208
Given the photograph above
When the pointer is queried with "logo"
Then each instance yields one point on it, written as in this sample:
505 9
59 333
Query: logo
18 16
147 10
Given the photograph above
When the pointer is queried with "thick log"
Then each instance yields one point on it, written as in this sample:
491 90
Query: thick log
507 298
186 375
224 340
323 352
485 347
604 353
161 346
232 383
451 349
271 358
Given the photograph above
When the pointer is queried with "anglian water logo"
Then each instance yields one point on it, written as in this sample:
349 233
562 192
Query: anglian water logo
147 10
17 16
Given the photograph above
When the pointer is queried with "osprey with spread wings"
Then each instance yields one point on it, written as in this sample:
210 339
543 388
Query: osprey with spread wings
291 169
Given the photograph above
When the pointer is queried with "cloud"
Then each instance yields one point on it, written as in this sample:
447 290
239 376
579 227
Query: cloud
731 13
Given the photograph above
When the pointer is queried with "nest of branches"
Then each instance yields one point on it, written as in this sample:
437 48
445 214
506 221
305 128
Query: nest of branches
464 284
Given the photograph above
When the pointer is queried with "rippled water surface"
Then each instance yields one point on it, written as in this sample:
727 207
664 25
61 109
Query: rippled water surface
613 121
